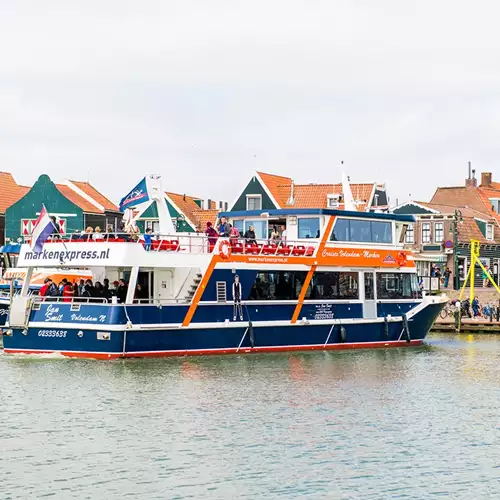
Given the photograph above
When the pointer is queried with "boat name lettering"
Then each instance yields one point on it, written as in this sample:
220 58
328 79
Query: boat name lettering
358 254
52 313
52 333
67 255
93 319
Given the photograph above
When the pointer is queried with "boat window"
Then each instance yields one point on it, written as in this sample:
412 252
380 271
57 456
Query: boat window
308 227
277 285
369 288
362 231
398 286
333 286
260 228
238 224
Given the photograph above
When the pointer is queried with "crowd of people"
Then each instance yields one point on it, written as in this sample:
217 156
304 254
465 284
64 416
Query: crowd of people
224 229
474 309
86 290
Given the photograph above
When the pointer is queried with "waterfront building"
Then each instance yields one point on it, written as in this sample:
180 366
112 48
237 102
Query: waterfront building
10 192
188 213
76 206
446 225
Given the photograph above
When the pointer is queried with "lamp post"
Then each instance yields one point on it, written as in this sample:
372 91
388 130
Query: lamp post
457 217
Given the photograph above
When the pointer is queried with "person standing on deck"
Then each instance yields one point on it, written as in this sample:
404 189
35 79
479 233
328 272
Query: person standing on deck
237 293
283 234
121 291
223 228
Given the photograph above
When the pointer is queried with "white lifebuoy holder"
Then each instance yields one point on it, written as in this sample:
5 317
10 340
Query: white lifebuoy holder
225 250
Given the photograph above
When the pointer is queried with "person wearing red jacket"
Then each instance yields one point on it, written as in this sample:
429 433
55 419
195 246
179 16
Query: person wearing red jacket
46 285
67 292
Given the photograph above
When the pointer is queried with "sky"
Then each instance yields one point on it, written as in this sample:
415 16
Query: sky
206 92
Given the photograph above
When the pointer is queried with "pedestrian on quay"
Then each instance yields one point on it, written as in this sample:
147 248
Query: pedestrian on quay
476 308
447 275
485 276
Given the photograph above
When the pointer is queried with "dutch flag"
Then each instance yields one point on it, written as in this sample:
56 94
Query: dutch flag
42 230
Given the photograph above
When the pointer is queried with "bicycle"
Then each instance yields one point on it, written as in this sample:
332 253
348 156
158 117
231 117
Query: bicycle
448 311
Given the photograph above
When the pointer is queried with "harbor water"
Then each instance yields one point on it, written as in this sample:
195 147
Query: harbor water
374 424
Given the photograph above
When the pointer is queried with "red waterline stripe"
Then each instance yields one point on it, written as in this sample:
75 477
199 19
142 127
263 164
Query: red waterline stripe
232 350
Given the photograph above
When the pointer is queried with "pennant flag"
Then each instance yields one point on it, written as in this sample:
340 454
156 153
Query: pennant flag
138 195
42 230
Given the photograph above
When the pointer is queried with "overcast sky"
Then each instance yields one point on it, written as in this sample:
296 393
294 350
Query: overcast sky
207 91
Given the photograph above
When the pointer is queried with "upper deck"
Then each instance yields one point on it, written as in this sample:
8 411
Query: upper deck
320 237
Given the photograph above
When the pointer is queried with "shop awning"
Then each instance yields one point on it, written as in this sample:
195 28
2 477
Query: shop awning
438 258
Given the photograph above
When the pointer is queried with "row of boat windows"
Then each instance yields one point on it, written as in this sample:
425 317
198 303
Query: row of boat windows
328 285
351 230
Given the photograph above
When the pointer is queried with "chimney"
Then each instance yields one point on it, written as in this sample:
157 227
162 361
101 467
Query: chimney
486 179
471 181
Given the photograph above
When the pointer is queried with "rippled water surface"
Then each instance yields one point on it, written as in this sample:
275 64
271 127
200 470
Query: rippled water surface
401 423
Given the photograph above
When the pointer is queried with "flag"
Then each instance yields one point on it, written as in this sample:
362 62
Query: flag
44 227
137 196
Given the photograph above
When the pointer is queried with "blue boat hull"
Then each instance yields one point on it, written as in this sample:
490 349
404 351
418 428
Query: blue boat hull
114 341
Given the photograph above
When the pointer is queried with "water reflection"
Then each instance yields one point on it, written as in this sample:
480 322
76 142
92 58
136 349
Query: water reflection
394 423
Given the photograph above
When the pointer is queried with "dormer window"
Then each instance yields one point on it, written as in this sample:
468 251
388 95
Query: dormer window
254 202
334 200
490 232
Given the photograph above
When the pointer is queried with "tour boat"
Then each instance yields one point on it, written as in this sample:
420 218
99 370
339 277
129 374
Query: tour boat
339 279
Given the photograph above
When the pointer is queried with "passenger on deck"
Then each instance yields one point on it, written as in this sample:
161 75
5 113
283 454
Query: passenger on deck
212 235
98 236
88 233
88 290
121 291
234 234
223 228
98 289
56 233
275 235
148 239
250 236
106 292
283 234
67 291
140 293
81 288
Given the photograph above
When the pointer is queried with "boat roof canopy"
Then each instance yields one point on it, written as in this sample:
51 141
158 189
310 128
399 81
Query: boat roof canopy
319 211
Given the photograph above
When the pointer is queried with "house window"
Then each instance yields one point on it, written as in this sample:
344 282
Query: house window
154 225
489 232
333 201
410 235
495 203
438 232
308 228
254 202
462 268
426 232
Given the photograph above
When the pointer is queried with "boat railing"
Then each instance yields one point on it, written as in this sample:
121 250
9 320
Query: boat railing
199 243
37 299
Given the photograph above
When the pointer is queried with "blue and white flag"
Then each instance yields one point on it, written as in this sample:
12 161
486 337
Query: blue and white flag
44 227
137 196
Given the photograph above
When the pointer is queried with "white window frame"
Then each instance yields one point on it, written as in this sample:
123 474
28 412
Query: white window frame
495 201
333 200
436 225
150 224
462 275
430 232
490 228
253 197
410 231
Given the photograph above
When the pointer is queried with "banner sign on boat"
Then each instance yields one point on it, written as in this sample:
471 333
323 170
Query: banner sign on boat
81 254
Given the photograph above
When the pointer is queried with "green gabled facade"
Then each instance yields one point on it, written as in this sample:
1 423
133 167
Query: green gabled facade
150 215
43 192
254 187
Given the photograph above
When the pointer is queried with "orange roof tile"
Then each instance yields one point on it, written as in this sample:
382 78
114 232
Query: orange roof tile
312 195
204 216
96 195
278 185
186 205
10 191
75 198
449 210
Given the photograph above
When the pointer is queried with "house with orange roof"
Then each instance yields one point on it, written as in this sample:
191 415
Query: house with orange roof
189 213
446 225
10 193
76 205
270 192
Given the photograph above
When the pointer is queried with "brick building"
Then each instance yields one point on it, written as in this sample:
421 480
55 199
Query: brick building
472 211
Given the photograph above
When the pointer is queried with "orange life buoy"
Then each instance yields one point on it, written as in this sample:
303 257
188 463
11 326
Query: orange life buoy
402 259
225 250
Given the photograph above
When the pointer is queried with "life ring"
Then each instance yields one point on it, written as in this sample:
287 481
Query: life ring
225 250
402 259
